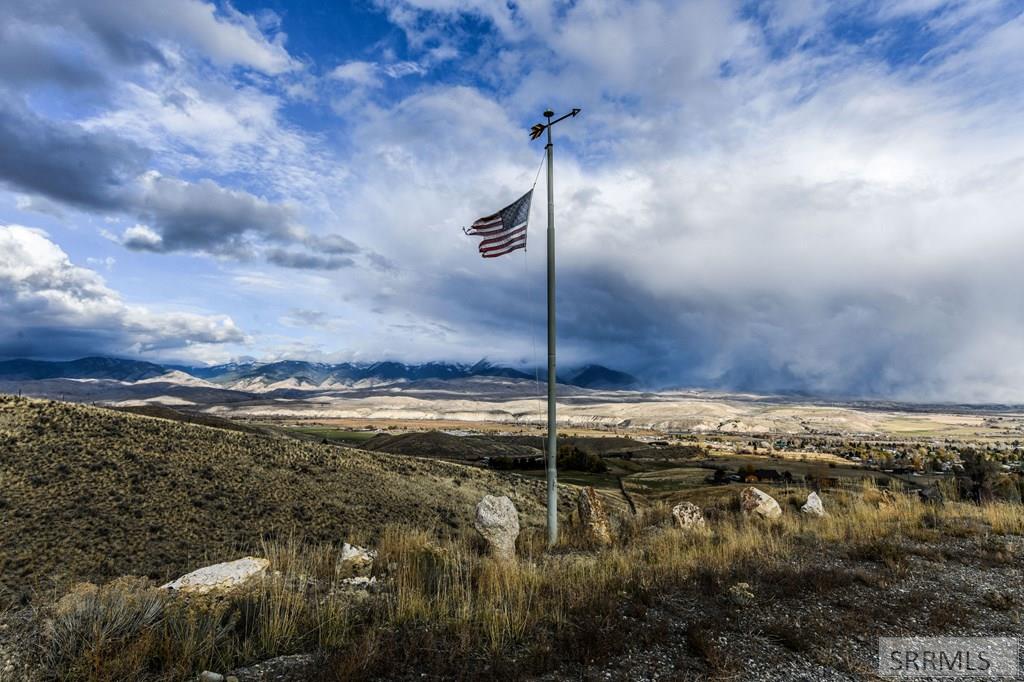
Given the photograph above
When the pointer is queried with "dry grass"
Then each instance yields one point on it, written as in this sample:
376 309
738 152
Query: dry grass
445 605
92 494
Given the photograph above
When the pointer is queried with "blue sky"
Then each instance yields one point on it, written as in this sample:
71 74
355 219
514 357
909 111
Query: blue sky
787 195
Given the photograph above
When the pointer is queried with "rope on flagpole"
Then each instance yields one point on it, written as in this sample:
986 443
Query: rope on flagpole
539 167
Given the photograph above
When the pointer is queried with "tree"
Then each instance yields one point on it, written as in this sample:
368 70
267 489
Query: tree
979 476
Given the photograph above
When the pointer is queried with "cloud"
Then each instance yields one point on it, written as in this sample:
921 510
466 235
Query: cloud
52 307
205 217
298 317
332 244
361 73
371 74
307 261
31 54
142 238
65 162
132 33
97 170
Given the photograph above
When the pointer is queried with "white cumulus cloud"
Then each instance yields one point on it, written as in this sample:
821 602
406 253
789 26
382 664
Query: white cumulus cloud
50 305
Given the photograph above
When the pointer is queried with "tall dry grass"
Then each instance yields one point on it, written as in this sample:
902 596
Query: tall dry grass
445 604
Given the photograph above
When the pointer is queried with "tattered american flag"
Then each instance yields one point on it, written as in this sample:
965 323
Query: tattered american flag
504 231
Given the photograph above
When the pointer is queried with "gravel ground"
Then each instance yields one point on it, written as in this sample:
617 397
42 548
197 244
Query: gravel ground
822 625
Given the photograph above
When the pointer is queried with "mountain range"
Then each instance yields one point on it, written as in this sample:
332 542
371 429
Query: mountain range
296 373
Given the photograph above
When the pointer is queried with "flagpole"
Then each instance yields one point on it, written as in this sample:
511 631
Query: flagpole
552 449
552 463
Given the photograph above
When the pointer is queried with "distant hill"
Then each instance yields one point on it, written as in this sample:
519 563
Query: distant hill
84 368
91 494
164 412
598 376
298 374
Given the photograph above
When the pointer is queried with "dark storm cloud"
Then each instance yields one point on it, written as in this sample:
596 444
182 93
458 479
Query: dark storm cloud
724 338
203 216
64 161
58 342
602 316
96 170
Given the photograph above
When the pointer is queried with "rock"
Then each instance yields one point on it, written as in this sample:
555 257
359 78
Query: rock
498 522
931 495
879 498
231 678
296 668
754 501
207 676
689 517
224 577
359 582
813 505
741 594
593 516
356 559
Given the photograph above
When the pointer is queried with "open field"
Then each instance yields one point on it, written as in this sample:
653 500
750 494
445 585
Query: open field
401 425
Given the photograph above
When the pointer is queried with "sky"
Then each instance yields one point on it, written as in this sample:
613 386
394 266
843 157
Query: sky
788 195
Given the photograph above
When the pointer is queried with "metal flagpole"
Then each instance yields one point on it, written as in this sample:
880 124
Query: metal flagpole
552 449
552 382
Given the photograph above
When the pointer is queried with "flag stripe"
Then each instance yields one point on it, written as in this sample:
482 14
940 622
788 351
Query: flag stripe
503 246
499 243
488 221
484 232
508 250
519 229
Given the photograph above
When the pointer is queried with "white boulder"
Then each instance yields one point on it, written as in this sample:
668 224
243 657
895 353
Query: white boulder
754 501
689 517
224 577
498 522
813 505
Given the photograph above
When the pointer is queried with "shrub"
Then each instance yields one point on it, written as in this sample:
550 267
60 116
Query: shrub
572 457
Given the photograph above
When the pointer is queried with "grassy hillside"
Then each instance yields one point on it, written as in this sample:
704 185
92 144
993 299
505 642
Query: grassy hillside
171 414
438 444
90 494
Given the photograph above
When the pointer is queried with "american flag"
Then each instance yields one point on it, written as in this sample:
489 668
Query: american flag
504 231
